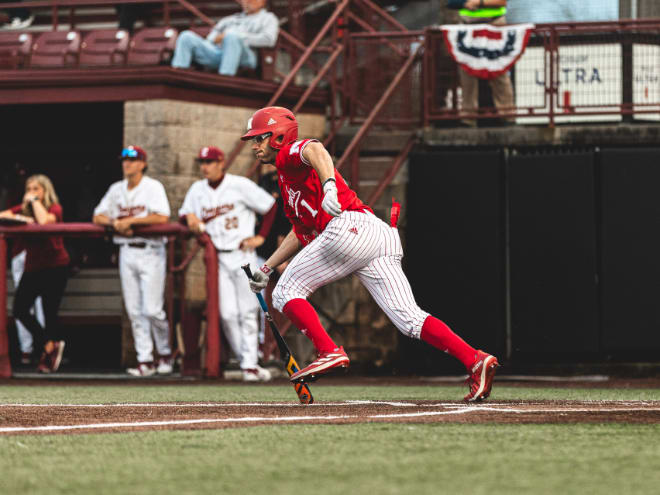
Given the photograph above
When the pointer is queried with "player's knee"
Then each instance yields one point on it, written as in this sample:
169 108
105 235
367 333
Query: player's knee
279 301
281 296
155 314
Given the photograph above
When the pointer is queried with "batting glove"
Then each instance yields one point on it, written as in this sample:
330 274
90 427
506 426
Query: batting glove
260 279
330 201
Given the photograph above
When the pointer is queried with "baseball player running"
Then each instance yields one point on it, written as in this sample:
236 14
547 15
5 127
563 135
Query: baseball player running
334 235
140 200
224 205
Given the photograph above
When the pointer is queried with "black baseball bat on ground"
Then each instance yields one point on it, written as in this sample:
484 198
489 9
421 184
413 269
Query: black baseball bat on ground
302 389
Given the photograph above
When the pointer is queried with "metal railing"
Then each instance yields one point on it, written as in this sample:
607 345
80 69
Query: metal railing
570 72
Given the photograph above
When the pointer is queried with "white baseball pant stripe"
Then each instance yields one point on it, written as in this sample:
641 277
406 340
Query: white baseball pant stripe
359 243
239 307
143 272
25 340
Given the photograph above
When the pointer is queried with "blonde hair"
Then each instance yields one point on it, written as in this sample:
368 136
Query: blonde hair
50 196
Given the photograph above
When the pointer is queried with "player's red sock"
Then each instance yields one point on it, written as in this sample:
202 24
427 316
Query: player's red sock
440 336
302 315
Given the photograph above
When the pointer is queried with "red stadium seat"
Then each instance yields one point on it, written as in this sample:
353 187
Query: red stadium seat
14 49
56 49
152 46
104 47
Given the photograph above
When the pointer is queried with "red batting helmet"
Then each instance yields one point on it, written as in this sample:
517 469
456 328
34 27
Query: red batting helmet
277 120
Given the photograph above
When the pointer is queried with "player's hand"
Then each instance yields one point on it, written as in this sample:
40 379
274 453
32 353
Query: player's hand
260 278
251 243
29 198
330 201
472 4
123 227
196 225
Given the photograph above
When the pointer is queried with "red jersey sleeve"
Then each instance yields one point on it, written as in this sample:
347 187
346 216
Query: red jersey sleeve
56 210
16 209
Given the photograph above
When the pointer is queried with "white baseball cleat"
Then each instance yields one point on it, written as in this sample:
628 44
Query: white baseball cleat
143 369
165 366
257 374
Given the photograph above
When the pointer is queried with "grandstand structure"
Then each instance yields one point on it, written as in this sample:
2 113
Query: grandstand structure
523 223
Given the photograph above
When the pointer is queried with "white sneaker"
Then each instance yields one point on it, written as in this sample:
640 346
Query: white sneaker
165 366
143 369
257 374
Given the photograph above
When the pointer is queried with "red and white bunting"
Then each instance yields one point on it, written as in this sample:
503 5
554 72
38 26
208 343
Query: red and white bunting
484 50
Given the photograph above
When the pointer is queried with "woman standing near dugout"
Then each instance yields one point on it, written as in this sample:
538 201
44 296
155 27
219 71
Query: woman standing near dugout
46 270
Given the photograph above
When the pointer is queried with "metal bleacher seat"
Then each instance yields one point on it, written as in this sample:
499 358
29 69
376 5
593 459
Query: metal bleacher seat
104 47
152 46
56 49
14 49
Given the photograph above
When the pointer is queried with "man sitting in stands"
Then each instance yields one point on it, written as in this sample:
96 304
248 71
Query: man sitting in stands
229 44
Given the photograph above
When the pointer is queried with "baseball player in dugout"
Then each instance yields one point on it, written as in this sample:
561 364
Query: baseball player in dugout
334 235
140 200
225 207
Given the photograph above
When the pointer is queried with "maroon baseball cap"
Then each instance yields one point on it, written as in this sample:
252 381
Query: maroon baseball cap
210 153
134 152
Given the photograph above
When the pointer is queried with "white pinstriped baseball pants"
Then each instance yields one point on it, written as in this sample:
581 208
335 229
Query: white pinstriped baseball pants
359 243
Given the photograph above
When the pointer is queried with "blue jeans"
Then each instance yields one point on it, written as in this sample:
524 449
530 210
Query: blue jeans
226 58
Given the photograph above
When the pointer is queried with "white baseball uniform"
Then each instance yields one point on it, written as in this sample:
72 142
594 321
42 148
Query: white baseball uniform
228 213
142 264
25 340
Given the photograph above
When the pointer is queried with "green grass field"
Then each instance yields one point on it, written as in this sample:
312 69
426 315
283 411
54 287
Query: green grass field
376 458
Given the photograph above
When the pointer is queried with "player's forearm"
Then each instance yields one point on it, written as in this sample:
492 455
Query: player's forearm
102 220
153 219
289 247
41 215
6 213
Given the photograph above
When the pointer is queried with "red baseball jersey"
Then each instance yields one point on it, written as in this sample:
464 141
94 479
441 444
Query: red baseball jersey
302 192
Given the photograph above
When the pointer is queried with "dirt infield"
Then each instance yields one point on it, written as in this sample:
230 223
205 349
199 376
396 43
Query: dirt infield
63 418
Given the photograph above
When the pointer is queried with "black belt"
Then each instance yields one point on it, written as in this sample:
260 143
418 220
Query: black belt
225 250
139 245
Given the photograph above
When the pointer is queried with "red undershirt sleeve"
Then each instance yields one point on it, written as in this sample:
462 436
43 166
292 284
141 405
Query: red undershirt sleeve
267 221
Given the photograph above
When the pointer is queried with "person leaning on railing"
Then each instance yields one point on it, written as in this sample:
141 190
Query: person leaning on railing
140 200
229 44
480 12
46 270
